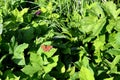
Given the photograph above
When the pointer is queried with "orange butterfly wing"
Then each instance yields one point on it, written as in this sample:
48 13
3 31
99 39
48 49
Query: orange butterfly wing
46 48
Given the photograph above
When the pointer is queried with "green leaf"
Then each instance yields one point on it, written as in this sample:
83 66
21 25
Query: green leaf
49 67
29 70
110 8
36 64
1 18
114 40
112 78
87 23
10 76
114 52
99 43
1 28
113 65
96 9
19 14
98 26
76 16
36 59
85 74
18 56
48 77
117 26
27 33
111 25
61 67
12 45
50 7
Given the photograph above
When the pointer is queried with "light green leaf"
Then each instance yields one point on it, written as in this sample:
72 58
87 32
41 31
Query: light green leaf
85 74
50 7
1 18
113 66
54 16
98 26
61 67
114 40
87 23
15 12
19 14
110 8
49 67
114 52
36 59
24 10
29 70
117 26
18 56
97 10
99 43
1 28
76 16
111 25
35 65
112 78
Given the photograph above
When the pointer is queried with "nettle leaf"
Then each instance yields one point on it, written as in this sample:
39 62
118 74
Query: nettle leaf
51 65
85 63
98 26
97 10
54 16
112 78
113 65
29 70
99 46
49 7
118 11
19 14
18 55
35 65
12 45
117 26
10 76
27 33
48 77
114 40
36 59
111 25
85 74
91 25
99 43
60 67
1 28
76 16
87 23
110 9
114 52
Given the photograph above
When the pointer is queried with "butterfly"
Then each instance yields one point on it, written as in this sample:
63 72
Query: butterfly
46 48
37 13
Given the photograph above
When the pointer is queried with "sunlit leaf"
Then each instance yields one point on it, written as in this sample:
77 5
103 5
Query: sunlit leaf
1 28
110 8
85 74
18 56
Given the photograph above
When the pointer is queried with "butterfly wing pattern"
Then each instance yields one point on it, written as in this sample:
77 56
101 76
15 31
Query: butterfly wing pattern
46 48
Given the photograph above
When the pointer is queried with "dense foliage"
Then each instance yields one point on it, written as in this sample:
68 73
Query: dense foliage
59 40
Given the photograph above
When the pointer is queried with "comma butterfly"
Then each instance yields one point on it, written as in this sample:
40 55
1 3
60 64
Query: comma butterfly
46 48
